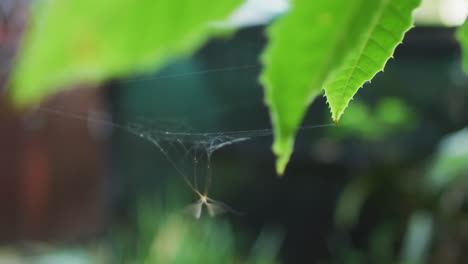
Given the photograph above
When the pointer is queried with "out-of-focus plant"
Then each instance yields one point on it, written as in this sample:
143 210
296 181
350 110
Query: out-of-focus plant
445 186
389 115
178 239
418 238
436 216
86 40
159 238
450 162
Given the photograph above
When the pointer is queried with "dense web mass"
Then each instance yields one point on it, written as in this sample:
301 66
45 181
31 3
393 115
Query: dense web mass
207 142
185 145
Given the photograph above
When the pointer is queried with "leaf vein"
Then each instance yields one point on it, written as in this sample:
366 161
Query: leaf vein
389 32
376 42
396 11
374 26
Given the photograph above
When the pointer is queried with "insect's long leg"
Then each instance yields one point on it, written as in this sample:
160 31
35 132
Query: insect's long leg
195 179
181 173
208 174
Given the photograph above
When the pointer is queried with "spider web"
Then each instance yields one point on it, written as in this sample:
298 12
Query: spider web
187 151
177 142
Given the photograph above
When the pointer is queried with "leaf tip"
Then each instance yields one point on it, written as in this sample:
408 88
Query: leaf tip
281 163
283 148
336 115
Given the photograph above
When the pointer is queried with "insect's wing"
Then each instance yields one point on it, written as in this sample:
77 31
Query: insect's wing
215 209
218 207
194 209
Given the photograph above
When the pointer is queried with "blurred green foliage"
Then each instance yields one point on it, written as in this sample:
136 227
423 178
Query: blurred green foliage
389 116
450 162
170 236
418 238
85 40
158 237
435 208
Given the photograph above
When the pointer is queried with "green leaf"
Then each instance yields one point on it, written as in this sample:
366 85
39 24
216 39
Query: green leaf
88 40
378 39
462 36
306 47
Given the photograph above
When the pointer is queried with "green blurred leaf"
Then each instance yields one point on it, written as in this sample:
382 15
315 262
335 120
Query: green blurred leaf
267 247
313 41
360 122
381 243
417 239
179 241
379 35
462 36
350 202
451 160
87 40
393 112
389 116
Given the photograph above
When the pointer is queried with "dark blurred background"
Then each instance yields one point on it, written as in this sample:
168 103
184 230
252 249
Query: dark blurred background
74 178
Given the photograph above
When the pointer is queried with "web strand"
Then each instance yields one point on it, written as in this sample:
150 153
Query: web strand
178 75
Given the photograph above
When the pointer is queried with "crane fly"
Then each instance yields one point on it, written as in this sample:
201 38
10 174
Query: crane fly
213 207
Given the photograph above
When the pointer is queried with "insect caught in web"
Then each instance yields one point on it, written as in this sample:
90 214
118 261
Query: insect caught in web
213 207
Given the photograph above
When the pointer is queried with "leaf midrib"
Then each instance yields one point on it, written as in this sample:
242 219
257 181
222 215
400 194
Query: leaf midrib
340 40
375 23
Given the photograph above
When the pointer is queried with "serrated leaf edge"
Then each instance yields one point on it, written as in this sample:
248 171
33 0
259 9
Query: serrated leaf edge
336 116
